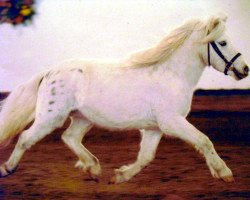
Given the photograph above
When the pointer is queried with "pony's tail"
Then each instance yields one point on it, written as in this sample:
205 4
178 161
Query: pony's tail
19 109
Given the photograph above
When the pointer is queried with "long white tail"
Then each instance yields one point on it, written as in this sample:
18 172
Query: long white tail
19 109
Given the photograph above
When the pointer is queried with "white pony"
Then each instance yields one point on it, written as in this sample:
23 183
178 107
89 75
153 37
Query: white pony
151 91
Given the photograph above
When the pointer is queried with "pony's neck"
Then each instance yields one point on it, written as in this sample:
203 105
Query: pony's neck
187 62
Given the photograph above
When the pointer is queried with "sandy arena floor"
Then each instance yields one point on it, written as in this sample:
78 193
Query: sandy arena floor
178 172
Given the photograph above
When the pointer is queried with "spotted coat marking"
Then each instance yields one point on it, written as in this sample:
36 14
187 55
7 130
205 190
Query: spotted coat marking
51 102
53 91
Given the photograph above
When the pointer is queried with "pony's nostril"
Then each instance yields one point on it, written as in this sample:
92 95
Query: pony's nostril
246 69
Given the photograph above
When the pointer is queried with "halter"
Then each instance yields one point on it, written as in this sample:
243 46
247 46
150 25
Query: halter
228 64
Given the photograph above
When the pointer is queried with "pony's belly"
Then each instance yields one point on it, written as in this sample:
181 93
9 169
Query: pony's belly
118 121
124 125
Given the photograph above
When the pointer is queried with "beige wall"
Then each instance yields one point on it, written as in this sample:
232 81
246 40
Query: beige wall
110 29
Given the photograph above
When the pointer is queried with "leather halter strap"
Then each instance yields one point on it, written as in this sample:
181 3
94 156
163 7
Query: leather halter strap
228 64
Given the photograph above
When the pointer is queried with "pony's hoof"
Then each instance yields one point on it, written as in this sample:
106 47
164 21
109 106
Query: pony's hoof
228 179
119 177
93 171
112 180
4 171
93 177
224 174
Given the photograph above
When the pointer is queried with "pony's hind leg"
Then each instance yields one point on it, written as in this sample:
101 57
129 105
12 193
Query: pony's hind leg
148 146
73 138
39 129
55 101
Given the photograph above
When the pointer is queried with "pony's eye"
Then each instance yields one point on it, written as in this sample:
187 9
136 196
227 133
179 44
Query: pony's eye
223 43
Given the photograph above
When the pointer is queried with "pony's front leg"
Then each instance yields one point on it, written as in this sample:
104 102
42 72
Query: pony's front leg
148 146
179 127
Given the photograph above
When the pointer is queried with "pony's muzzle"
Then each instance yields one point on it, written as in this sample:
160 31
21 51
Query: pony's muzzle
240 75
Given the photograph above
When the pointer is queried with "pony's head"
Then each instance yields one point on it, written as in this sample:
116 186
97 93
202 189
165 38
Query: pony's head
220 52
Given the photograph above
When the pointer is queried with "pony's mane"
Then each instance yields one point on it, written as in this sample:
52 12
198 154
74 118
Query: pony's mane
159 53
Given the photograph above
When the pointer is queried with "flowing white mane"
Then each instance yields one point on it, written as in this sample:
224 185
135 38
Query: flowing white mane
213 28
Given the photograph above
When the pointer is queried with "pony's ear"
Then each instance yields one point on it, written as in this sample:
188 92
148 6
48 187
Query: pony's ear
215 25
215 20
222 16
